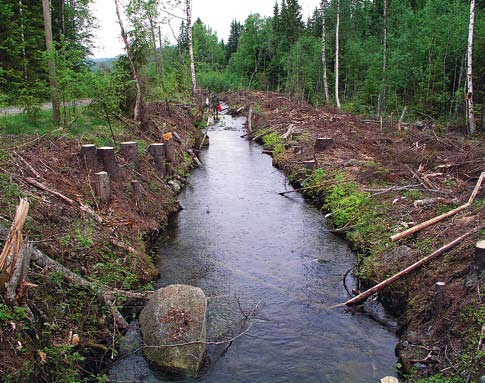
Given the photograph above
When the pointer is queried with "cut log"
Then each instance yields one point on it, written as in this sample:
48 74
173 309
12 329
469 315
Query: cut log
194 157
480 255
103 189
138 194
88 157
441 217
366 294
129 151
107 157
322 144
157 151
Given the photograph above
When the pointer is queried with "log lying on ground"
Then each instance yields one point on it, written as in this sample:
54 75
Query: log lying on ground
67 200
107 295
434 220
366 294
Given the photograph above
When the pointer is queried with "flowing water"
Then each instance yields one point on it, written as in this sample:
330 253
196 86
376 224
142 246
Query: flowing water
258 254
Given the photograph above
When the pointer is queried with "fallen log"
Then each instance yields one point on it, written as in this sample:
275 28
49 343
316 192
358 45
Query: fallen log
434 220
366 294
67 200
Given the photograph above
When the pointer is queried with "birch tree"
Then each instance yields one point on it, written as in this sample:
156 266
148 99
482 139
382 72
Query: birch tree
134 69
382 92
337 56
469 95
188 10
324 55
51 61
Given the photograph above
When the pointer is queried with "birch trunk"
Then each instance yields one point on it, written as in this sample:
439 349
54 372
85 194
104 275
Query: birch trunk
337 28
188 4
324 55
154 46
134 70
469 95
22 36
52 64
382 93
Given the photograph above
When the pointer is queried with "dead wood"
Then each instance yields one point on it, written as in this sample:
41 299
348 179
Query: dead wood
67 200
13 244
366 294
33 171
434 220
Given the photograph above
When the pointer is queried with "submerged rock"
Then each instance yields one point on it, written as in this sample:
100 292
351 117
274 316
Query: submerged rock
175 317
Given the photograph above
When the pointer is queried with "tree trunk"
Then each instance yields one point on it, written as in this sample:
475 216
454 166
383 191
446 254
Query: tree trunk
88 157
52 64
469 95
188 4
138 193
382 93
157 151
107 157
154 46
324 53
22 36
162 66
134 69
337 30
103 190
129 151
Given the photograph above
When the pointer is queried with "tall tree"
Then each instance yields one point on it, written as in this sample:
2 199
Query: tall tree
382 91
188 11
337 56
134 69
469 96
324 54
51 61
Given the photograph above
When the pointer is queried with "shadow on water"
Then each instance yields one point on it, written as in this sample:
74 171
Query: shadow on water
242 244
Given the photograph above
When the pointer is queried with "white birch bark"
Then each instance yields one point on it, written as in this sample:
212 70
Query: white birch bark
324 55
134 71
188 4
469 95
382 92
337 28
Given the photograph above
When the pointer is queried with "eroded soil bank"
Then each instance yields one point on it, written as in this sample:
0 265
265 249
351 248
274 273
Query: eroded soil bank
61 331
377 181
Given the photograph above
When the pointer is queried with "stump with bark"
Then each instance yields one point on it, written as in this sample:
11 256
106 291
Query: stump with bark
322 144
106 156
137 193
103 189
88 157
129 151
157 151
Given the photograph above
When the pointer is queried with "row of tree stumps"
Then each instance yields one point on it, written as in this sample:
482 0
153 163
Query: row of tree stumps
163 155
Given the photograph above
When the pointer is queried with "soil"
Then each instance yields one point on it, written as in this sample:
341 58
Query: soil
439 329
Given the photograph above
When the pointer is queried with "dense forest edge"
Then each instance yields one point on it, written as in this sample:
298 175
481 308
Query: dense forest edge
387 81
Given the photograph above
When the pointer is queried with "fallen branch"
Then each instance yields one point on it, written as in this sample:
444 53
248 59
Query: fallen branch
308 187
434 220
67 200
13 244
34 172
363 296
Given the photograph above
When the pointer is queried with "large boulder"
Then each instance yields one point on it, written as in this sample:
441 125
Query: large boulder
175 315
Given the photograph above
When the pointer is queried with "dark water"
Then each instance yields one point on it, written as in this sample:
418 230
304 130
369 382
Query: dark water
248 247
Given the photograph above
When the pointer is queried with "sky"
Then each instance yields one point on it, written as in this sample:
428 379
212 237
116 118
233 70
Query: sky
217 14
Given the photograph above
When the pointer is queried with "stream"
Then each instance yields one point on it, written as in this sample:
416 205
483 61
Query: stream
271 258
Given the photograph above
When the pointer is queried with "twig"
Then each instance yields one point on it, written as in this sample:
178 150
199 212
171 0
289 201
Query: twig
27 164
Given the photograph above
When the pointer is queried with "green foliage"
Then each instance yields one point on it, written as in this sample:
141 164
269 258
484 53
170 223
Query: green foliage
218 81
274 141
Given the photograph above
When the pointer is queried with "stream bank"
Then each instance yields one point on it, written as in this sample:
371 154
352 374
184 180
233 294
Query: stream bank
377 181
63 331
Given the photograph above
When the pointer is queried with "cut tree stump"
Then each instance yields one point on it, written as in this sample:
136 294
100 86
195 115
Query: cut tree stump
106 155
310 165
480 255
129 151
157 151
137 192
439 298
88 157
170 155
322 144
103 189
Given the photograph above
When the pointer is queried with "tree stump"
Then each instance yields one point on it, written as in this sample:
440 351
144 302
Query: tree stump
439 297
322 144
137 192
103 189
129 151
480 255
157 151
88 157
310 165
170 155
106 156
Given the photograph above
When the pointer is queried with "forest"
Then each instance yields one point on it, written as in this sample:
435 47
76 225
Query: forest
390 57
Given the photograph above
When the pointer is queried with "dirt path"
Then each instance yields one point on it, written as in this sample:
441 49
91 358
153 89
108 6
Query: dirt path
13 110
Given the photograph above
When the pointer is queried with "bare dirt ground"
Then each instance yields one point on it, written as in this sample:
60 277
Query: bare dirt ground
439 330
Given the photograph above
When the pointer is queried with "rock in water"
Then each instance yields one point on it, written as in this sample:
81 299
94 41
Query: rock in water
175 315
